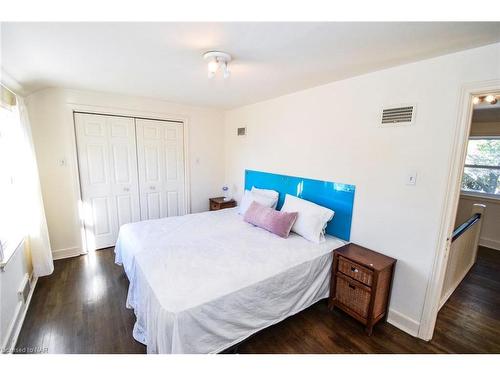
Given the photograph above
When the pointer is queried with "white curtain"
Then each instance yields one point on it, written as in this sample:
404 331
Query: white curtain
32 211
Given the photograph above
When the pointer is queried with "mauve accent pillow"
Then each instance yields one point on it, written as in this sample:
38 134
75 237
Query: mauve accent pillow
277 222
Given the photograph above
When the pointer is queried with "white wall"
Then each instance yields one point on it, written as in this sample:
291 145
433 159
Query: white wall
12 309
490 231
53 136
332 133
485 128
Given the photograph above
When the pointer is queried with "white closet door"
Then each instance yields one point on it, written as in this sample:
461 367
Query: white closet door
160 155
108 175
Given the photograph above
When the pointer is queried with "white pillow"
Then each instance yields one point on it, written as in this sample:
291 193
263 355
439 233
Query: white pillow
311 220
268 193
249 197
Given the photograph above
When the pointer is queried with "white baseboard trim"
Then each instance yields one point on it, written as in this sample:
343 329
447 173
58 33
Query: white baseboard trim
403 322
488 242
66 253
18 320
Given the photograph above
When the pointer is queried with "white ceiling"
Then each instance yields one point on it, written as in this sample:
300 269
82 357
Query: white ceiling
164 60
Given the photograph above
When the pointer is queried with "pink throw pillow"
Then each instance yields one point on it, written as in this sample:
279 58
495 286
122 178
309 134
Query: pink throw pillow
277 222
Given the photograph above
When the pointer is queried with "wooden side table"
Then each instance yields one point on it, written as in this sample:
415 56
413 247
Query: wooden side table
218 203
361 283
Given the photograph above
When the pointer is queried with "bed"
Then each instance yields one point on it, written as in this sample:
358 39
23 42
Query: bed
201 283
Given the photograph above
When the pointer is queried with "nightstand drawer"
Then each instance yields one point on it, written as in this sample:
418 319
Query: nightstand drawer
219 203
353 295
355 271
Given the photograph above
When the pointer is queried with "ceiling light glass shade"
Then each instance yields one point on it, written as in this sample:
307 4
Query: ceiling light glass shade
213 66
490 99
476 100
217 60
227 72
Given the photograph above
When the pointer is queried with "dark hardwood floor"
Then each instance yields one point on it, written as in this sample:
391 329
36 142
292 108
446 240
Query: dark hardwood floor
80 308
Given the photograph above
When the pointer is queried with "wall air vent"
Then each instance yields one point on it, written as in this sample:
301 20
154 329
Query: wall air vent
242 131
403 115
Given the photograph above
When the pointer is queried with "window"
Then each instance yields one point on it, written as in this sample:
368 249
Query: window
482 167
10 199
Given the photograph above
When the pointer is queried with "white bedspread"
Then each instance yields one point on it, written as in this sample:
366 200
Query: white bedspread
201 283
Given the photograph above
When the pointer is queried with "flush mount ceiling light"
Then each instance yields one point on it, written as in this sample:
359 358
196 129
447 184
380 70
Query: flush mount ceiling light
492 99
217 60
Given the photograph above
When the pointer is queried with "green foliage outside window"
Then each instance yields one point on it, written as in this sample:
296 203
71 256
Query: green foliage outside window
482 166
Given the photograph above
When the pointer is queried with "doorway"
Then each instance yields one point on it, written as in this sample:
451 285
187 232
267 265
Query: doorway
478 208
473 96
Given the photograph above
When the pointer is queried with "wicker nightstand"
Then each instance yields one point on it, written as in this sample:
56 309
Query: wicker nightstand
219 203
361 283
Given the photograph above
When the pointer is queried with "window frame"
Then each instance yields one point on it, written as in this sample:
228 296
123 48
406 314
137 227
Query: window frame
10 241
478 194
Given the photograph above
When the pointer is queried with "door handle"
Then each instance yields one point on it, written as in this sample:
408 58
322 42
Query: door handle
126 189
152 188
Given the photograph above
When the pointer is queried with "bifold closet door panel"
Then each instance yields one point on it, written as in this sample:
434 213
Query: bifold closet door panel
108 175
160 156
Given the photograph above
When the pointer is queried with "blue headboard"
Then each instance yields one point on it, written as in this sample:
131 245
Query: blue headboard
338 197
